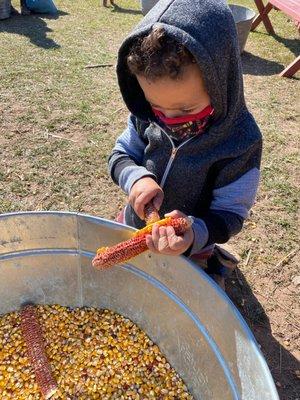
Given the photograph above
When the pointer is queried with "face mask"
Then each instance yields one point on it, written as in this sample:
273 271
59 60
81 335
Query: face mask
186 126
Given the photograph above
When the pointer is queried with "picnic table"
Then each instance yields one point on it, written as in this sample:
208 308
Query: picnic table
290 8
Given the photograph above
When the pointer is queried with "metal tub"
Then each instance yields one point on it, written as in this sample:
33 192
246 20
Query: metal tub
45 257
147 5
243 18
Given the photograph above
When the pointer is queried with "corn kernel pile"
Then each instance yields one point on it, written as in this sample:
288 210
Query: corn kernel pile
94 354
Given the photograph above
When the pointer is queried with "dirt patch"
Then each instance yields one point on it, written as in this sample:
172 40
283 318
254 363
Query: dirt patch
273 317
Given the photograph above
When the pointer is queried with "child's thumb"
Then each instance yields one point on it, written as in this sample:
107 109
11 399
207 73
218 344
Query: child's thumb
158 199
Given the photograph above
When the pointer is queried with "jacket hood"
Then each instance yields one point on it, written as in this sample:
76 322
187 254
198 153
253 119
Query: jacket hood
207 29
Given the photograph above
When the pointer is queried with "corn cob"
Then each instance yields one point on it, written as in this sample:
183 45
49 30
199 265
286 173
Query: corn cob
148 228
32 334
124 251
151 214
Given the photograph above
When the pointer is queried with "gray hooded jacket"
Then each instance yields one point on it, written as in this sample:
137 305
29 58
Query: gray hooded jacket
213 176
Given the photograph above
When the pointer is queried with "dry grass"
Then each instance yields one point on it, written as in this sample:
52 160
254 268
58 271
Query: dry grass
58 122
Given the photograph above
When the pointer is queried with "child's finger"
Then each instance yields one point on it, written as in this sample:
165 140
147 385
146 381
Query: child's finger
175 242
175 214
163 243
149 243
140 203
158 199
155 234
160 238
138 207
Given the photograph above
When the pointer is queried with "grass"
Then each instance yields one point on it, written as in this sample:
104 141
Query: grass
59 120
43 70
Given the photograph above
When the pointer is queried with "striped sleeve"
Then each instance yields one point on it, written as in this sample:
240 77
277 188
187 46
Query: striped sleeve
126 158
233 196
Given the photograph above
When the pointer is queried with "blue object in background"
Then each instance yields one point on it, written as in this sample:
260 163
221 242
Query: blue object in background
42 6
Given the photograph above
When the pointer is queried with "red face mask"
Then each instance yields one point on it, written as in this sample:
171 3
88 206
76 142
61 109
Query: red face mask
187 125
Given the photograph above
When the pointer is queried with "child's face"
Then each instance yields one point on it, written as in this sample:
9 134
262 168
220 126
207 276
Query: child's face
177 97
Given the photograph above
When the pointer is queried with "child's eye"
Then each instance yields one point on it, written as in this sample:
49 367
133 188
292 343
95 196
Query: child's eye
188 111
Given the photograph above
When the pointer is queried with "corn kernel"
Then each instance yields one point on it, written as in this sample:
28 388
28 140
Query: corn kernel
94 354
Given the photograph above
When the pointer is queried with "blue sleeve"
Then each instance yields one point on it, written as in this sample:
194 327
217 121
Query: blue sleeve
238 196
130 143
229 208
126 158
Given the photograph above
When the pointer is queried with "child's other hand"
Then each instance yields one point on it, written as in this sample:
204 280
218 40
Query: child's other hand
142 192
164 240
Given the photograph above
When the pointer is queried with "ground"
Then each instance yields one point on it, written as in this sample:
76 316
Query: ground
59 119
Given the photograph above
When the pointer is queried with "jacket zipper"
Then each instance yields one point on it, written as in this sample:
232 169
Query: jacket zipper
172 156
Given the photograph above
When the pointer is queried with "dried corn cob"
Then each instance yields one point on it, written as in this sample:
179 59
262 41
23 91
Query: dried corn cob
32 334
151 213
148 228
108 256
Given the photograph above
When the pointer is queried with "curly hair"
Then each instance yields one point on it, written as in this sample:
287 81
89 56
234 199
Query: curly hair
158 55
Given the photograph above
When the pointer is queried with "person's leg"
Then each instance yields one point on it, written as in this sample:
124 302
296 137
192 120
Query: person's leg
218 262
121 217
220 280
222 263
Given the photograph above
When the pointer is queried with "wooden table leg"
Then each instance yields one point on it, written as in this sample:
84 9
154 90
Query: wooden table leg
263 16
291 69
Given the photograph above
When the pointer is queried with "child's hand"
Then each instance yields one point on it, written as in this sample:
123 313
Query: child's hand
164 240
142 192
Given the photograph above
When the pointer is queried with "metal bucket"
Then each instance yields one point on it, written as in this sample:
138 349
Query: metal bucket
45 257
5 6
243 18
147 5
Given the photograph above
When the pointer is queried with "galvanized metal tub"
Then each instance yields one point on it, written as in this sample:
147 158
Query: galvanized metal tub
147 5
243 18
45 257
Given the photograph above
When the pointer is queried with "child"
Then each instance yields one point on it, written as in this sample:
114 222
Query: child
191 146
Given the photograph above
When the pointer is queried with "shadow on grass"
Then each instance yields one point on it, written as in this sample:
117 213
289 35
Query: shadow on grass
292 44
32 26
280 361
255 65
119 9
